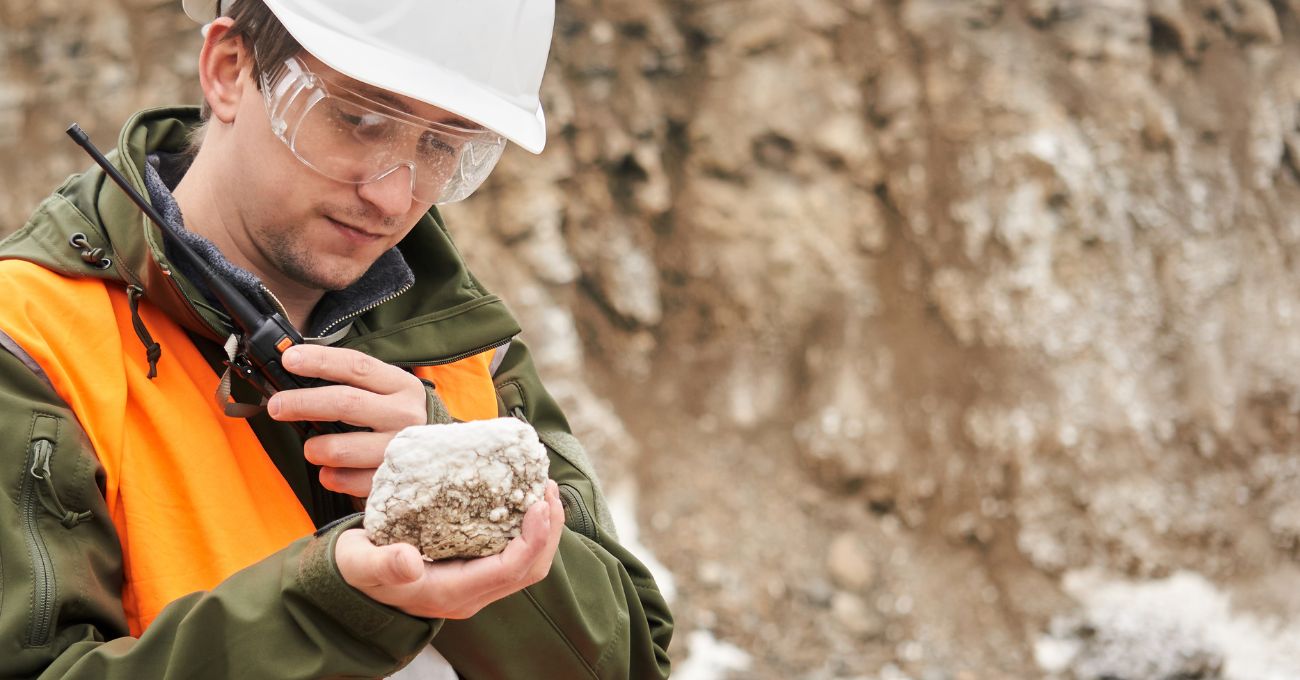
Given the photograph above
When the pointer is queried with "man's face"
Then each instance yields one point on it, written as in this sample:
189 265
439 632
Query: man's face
317 232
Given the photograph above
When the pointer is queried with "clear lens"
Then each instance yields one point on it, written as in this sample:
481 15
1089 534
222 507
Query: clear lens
347 137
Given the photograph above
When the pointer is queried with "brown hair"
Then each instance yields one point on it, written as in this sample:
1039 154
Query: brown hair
265 38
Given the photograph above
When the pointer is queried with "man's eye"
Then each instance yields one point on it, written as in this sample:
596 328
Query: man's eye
366 126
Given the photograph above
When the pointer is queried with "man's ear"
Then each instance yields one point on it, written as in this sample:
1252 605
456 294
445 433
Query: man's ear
221 63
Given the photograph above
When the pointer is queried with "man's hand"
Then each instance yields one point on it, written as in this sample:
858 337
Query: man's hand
453 589
369 393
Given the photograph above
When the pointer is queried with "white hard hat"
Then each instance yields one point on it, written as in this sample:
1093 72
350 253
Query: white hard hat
480 59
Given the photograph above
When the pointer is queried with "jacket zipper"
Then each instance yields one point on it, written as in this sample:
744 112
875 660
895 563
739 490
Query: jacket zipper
574 509
457 357
274 300
389 298
43 585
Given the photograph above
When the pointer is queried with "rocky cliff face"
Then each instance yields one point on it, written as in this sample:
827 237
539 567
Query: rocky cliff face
897 314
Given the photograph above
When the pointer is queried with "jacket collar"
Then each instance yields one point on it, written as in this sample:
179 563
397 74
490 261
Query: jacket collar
387 278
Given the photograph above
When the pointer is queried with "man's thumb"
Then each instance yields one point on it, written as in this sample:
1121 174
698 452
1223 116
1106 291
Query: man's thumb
362 564
398 564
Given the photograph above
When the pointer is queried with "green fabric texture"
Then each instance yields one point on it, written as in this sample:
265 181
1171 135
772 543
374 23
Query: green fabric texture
567 446
597 615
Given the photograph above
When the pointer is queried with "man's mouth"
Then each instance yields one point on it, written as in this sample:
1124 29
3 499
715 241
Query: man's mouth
355 232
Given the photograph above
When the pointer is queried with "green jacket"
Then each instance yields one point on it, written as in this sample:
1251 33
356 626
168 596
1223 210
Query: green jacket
598 614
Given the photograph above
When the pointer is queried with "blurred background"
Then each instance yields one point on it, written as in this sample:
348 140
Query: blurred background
933 339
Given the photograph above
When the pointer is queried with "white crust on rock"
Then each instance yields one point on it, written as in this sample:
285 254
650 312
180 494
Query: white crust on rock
457 490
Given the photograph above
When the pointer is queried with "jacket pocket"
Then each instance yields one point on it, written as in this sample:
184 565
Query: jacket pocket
36 486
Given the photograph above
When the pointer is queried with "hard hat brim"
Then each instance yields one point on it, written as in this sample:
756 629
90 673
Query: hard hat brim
419 80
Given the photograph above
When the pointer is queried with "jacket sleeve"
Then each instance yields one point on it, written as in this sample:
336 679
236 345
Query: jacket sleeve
288 616
598 614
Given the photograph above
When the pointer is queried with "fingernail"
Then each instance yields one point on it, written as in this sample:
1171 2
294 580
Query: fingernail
290 357
273 406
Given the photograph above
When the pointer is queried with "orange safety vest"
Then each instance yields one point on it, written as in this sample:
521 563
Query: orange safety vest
193 494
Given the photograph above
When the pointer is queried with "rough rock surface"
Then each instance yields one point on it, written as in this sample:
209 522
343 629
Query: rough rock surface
1003 289
457 490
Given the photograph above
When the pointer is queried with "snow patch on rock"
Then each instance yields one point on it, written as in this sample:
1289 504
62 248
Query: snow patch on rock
711 659
1181 626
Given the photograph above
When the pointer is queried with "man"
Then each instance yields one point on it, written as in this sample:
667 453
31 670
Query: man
150 534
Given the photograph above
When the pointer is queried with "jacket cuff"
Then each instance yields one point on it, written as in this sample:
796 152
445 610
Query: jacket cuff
365 617
437 411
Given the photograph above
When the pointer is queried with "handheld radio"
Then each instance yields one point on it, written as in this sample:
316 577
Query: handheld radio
263 338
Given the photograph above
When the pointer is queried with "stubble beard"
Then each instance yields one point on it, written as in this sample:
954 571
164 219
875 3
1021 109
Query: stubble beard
294 260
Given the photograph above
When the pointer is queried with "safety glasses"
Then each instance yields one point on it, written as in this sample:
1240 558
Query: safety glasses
347 136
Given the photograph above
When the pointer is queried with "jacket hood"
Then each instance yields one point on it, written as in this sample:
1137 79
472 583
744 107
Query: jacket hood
446 315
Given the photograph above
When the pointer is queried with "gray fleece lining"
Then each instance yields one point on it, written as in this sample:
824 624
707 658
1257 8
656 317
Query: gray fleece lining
387 276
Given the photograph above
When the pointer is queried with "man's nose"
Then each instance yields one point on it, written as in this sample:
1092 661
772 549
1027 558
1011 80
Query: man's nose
390 194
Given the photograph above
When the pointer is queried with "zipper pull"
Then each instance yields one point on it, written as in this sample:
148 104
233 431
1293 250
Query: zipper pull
41 449
41 454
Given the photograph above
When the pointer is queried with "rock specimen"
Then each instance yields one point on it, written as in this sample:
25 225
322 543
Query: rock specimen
457 490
